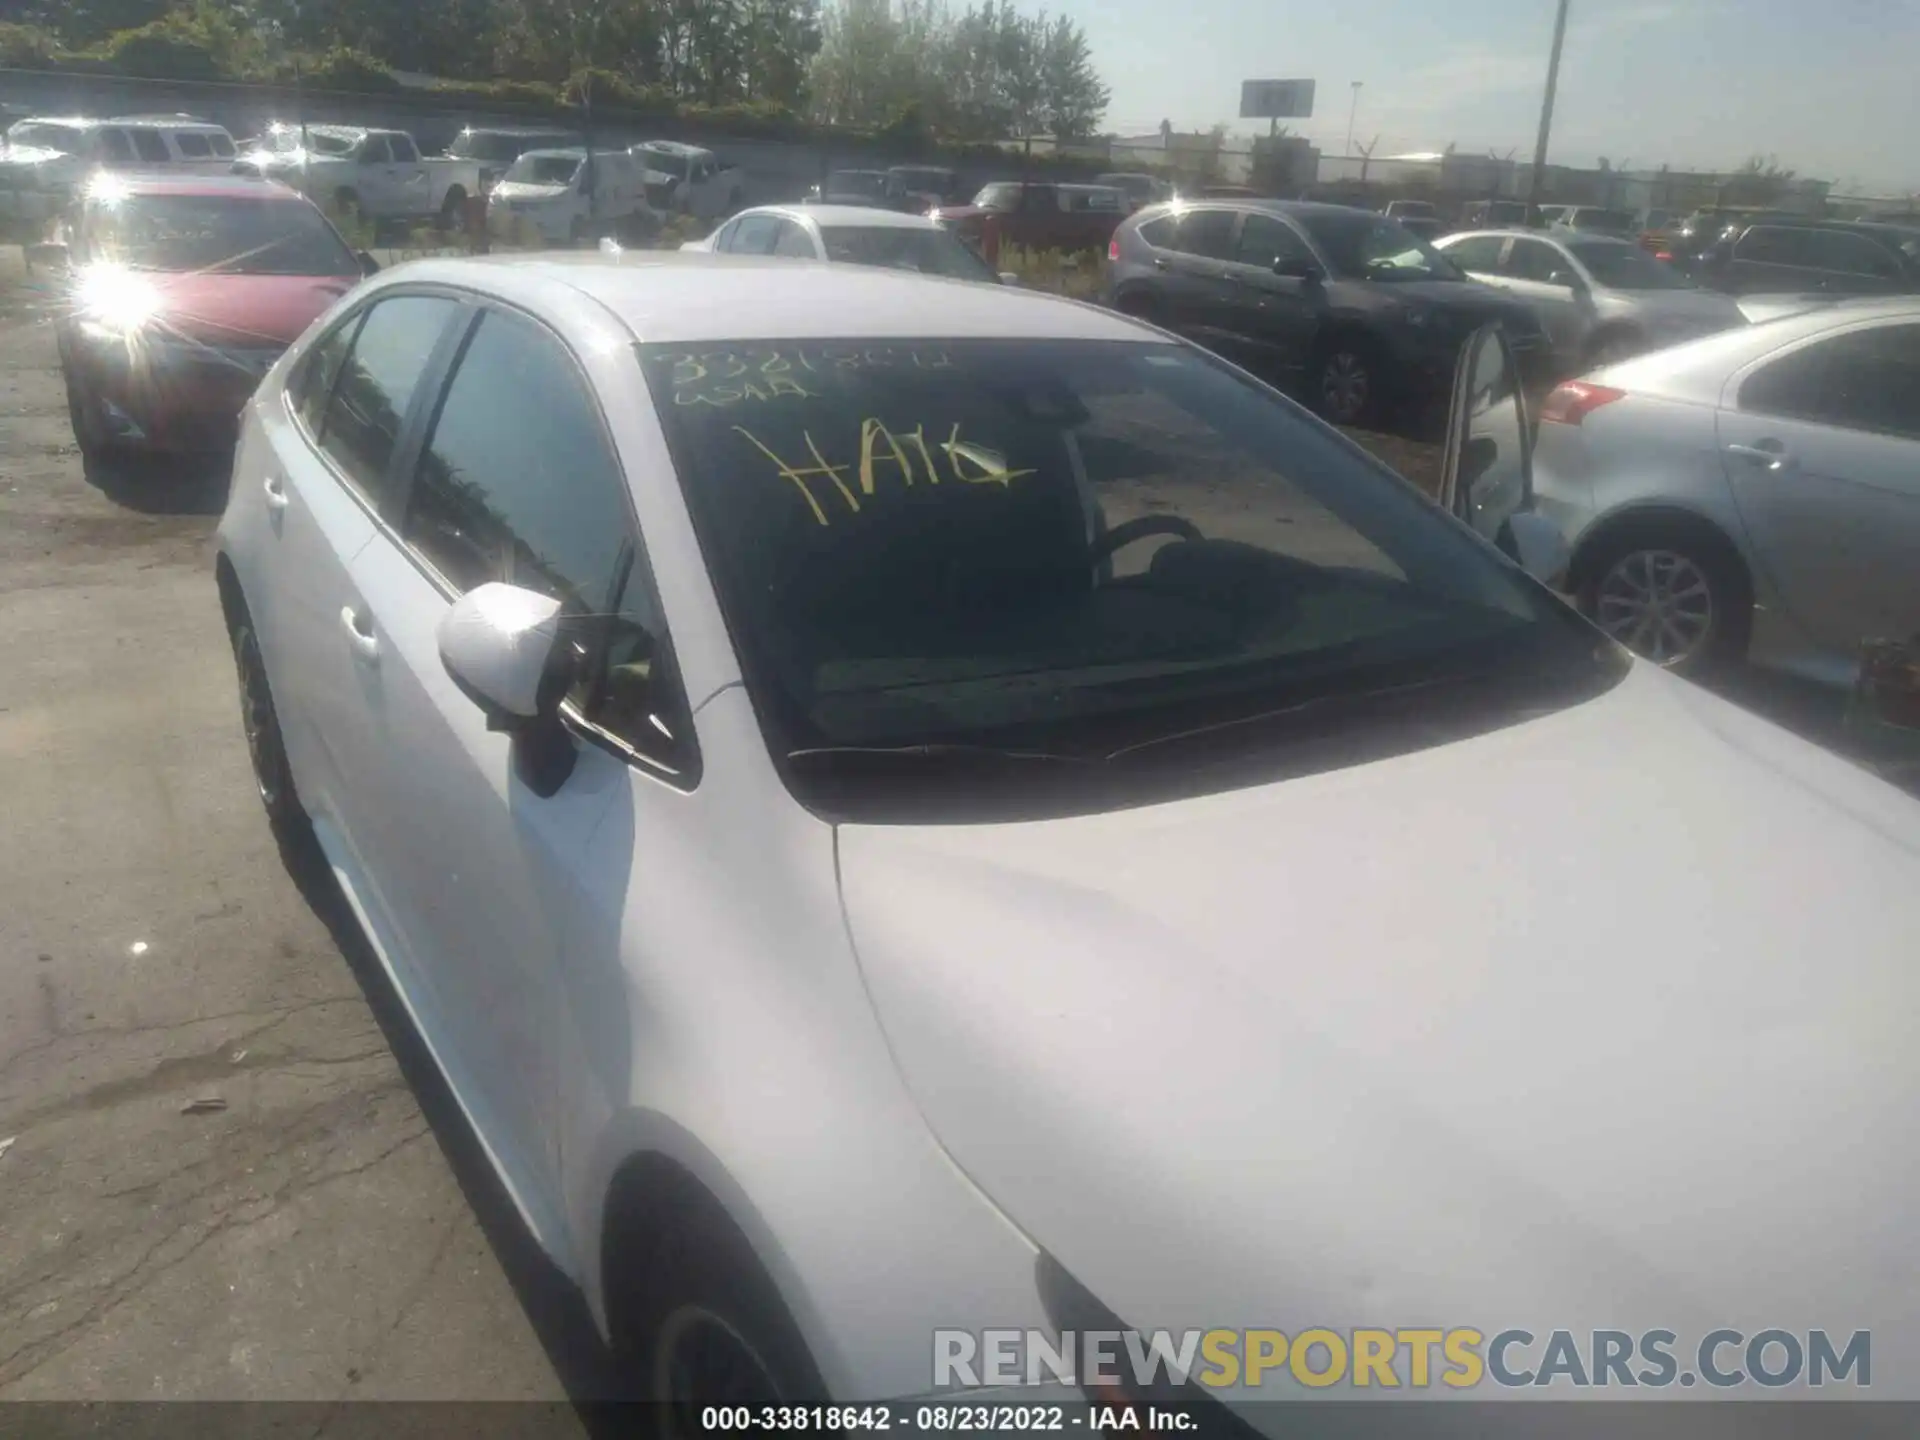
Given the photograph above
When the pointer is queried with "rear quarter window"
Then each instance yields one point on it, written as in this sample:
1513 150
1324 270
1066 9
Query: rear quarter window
192 146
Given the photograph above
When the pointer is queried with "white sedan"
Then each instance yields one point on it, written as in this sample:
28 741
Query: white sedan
903 806
849 235
1751 496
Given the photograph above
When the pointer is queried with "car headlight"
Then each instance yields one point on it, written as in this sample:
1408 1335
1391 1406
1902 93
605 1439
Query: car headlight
114 303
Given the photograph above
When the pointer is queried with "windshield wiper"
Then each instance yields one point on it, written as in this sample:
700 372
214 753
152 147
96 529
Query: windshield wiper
942 750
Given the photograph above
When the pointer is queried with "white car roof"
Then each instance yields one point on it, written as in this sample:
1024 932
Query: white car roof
832 217
678 297
1698 369
670 147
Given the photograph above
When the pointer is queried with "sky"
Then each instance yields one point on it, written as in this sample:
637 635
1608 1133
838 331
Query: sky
1831 87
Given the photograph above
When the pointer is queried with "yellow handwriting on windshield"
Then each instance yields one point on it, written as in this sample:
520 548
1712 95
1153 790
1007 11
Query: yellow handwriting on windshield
881 448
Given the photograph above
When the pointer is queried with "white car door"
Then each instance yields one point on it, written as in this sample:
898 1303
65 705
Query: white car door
412 184
1539 274
516 481
325 477
1822 448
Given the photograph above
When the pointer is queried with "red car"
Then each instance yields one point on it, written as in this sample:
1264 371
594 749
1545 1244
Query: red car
182 294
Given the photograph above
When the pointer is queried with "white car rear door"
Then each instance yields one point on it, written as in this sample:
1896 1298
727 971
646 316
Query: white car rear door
1822 448
325 477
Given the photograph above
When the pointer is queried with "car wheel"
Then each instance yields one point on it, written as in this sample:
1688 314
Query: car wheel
266 745
706 1327
1346 382
1676 597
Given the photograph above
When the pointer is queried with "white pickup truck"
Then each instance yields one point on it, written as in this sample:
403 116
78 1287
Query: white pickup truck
687 180
379 173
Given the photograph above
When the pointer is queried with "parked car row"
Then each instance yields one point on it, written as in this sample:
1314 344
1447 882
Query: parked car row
44 160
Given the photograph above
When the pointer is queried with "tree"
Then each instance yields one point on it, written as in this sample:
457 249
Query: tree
1076 98
1762 180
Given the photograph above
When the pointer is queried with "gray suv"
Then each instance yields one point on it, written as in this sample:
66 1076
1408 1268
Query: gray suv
1350 307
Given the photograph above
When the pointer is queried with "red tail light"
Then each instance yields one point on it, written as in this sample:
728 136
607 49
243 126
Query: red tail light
1113 248
1663 255
1574 400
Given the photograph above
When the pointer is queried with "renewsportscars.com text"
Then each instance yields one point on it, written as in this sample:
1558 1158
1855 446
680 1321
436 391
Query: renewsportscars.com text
1460 1358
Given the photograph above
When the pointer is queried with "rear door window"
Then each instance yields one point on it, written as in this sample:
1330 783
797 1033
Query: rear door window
1850 255
1205 232
116 148
1771 245
1265 241
1533 260
755 235
794 241
1479 253
371 396
192 146
150 147
312 384
1863 380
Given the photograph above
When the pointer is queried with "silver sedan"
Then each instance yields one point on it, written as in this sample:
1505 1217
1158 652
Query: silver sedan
1599 299
1754 494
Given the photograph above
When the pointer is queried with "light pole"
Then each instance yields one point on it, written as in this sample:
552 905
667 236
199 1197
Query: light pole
1546 105
1352 111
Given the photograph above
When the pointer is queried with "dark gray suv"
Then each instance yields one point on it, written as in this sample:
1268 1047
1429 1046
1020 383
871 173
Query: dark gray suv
1348 306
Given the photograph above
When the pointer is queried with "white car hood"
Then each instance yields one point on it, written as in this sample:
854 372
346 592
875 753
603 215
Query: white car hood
1603 1019
526 190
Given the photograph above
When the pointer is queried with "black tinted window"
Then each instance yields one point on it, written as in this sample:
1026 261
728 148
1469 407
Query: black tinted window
1866 380
1533 260
1477 252
1850 254
792 240
312 384
114 146
376 385
519 483
1265 241
374 151
402 147
754 235
222 145
1771 245
192 146
148 145
1204 232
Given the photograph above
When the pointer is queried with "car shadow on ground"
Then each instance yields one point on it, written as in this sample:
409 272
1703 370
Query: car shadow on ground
163 484
553 1304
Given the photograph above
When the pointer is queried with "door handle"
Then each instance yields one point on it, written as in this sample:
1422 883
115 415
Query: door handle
1160 262
276 489
366 645
1769 455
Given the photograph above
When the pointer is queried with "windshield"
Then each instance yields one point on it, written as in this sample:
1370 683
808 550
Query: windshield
242 236
1372 247
998 197
856 182
494 146
1626 267
932 182
1614 222
1072 545
926 252
668 162
35 135
544 170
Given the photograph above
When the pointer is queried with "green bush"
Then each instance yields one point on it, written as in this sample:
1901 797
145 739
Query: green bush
165 50
614 92
344 69
28 47
535 93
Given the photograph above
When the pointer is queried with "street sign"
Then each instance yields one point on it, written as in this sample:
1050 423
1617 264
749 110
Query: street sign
1276 99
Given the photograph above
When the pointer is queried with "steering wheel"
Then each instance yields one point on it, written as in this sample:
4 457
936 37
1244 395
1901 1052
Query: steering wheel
1139 528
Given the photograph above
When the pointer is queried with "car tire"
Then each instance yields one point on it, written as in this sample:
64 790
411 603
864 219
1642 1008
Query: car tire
1347 377
1674 593
701 1324
260 722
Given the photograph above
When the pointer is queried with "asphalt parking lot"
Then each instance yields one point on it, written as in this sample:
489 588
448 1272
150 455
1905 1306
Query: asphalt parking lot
313 1229
219 1181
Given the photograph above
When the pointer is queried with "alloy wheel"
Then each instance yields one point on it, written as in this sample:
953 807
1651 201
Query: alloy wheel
264 745
701 1360
1345 387
1658 603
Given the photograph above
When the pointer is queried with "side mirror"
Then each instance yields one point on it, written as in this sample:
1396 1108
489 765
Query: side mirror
1487 476
1297 267
503 648
1566 279
368 265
